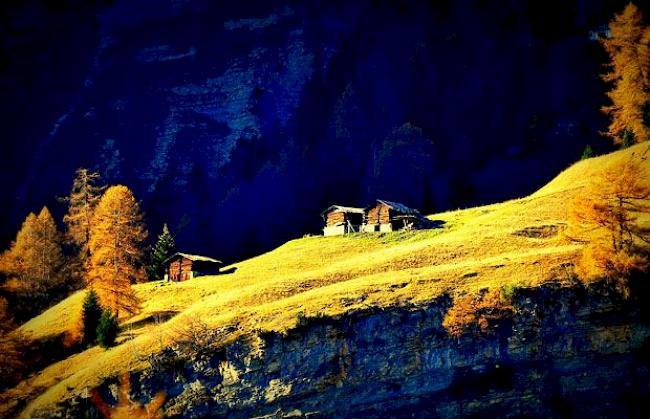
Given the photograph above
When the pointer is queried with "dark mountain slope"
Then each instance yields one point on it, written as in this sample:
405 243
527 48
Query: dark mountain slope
249 118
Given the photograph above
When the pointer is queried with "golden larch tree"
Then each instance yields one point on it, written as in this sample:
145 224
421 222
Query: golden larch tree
628 47
17 261
83 199
35 257
49 254
607 217
116 236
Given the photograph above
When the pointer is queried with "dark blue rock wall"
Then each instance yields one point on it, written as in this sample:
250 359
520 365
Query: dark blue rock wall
248 118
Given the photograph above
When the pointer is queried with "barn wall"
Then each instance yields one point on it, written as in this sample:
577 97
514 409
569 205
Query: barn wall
335 230
180 270
186 270
174 270
384 228
379 214
335 218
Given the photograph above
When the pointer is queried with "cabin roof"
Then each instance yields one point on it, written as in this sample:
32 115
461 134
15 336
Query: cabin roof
341 208
396 206
194 258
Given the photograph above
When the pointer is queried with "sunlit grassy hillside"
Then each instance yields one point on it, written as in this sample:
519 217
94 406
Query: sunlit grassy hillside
515 243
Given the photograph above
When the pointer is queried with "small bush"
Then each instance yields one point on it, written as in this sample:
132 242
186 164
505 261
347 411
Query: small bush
165 360
107 329
91 312
587 153
508 292
597 261
303 319
479 313
195 338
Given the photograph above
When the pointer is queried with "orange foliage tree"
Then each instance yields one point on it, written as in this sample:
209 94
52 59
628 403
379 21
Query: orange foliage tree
606 218
476 312
629 71
83 199
127 408
35 258
116 237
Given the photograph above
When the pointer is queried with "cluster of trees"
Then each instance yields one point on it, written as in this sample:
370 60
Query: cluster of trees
35 262
99 325
102 248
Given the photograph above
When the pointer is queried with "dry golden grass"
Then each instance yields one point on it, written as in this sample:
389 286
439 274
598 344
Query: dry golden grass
515 243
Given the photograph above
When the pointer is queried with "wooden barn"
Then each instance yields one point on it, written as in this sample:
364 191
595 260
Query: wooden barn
183 266
342 220
390 216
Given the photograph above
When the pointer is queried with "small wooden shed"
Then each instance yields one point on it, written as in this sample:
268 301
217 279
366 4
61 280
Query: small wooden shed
183 266
342 220
390 216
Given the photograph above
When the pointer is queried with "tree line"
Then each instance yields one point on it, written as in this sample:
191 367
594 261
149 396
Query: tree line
102 248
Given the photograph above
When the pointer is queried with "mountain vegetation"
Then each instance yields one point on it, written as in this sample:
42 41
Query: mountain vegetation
107 328
299 107
80 308
34 266
628 47
163 249
607 219
503 247
82 200
116 257
35 258
90 316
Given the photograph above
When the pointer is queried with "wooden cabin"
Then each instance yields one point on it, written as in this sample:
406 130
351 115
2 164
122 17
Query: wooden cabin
183 266
390 216
342 220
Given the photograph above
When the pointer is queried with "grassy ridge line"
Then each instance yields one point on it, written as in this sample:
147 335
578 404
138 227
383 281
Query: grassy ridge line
277 314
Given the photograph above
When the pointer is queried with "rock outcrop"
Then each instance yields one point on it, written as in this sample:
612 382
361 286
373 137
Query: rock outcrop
565 351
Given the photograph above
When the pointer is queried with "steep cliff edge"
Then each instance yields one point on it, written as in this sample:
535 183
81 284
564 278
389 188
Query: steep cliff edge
566 350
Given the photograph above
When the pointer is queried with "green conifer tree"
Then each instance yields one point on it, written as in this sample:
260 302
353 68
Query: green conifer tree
107 328
587 153
90 315
163 248
628 139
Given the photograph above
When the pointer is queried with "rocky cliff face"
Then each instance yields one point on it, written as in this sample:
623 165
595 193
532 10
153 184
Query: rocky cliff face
210 109
566 351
